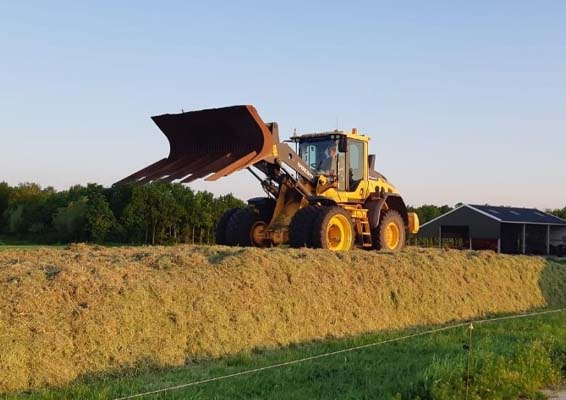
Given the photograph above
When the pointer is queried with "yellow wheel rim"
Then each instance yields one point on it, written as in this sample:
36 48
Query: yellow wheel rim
257 234
392 235
339 233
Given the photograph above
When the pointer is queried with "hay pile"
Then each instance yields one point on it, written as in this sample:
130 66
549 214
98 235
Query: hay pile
64 313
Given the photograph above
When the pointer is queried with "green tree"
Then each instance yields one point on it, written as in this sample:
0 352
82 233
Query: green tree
428 212
118 199
134 219
28 210
4 202
153 207
15 219
77 192
70 221
184 200
154 213
224 203
559 212
202 214
99 217
25 193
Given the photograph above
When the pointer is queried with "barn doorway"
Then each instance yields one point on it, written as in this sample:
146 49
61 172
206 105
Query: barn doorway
455 236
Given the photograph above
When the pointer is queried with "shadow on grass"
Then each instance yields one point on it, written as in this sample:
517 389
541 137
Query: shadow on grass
552 283
344 375
217 256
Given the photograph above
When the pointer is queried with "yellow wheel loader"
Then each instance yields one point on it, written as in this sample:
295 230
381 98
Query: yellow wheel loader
322 189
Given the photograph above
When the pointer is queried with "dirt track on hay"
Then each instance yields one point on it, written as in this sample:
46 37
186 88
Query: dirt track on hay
81 310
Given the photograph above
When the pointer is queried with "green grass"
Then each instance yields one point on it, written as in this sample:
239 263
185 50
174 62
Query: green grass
509 359
27 246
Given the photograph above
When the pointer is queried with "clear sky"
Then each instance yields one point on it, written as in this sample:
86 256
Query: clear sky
465 101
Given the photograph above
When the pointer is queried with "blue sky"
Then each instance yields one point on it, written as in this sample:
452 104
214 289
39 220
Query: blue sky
464 101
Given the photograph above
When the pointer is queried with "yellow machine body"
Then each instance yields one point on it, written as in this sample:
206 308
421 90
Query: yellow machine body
348 204
287 204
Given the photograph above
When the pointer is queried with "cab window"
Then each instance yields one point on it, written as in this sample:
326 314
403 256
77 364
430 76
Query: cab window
356 167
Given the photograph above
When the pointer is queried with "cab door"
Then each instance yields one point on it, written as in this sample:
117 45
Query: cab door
356 172
352 172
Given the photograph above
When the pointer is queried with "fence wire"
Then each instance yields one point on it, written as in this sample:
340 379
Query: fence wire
347 350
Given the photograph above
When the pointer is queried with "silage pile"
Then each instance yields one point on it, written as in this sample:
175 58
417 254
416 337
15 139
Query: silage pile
65 313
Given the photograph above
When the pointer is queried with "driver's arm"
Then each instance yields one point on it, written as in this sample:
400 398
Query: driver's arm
324 165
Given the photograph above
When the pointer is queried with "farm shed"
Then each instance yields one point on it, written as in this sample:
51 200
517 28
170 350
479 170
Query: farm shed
509 230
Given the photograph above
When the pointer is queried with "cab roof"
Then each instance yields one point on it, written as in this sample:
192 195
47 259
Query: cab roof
353 134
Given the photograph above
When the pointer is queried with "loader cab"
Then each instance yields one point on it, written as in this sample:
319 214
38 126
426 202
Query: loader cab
336 155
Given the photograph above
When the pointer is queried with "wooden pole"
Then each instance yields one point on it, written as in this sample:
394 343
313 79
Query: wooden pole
524 237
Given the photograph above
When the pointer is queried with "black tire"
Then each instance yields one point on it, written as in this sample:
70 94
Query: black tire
323 219
223 224
378 235
300 230
239 227
264 206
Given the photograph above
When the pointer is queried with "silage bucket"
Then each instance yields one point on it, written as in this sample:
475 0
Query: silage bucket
208 143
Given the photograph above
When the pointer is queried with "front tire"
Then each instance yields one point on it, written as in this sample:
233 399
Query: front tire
241 226
333 229
390 234
300 230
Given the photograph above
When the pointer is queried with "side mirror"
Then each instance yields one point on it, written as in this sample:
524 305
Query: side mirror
342 144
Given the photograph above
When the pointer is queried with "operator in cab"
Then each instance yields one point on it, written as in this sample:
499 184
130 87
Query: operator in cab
328 165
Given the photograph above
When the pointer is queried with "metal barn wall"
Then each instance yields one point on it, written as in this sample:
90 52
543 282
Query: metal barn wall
512 238
535 239
481 226
558 235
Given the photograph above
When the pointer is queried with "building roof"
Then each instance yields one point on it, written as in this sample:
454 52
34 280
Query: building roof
513 215
518 215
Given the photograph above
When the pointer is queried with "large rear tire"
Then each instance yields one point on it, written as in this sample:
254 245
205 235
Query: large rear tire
239 229
265 206
390 234
300 230
333 229
223 224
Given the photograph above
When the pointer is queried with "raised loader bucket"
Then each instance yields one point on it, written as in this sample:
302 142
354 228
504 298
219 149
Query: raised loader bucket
208 143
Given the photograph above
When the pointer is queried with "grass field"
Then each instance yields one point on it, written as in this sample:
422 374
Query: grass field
115 321
30 246
510 359
27 246
84 310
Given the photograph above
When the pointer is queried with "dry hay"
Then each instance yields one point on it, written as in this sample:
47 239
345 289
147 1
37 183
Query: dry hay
65 313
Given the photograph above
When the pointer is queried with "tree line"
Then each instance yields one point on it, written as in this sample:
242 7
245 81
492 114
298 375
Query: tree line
428 212
157 213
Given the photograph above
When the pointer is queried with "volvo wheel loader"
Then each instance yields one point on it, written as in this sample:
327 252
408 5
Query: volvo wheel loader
322 190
